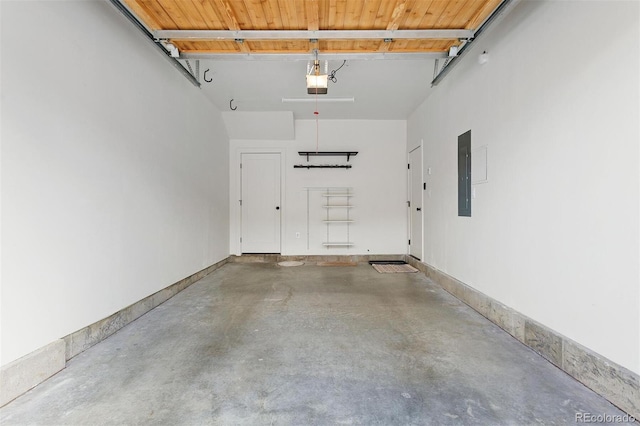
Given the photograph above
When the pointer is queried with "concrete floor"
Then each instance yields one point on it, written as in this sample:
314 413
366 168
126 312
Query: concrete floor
263 344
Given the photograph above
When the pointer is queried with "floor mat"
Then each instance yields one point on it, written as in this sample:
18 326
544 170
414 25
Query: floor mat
392 269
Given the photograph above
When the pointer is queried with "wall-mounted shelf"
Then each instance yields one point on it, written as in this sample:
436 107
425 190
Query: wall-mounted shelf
322 166
338 205
308 154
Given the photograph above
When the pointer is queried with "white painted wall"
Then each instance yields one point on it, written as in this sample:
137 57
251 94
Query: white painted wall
378 179
261 125
114 171
554 232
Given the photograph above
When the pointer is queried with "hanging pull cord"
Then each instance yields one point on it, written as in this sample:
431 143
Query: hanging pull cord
316 113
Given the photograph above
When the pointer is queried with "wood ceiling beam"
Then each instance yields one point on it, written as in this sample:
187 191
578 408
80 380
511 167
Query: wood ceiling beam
397 15
385 45
228 16
231 21
313 20
321 34
243 46
313 16
394 23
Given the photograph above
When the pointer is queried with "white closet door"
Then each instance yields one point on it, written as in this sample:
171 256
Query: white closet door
261 208
415 202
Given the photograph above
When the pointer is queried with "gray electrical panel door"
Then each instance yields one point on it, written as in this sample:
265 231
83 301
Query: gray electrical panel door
464 174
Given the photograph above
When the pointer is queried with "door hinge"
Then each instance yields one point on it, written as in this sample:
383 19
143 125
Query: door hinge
408 166
424 186
240 165
409 242
409 204
240 202
240 239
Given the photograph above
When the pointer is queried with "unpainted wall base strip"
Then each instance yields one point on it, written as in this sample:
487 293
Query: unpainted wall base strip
275 258
612 381
23 374
88 336
19 376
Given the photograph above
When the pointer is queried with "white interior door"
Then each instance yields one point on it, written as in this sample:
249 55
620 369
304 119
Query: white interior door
260 203
415 203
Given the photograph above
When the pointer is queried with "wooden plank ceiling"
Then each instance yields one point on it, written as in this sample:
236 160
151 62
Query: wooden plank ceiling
312 15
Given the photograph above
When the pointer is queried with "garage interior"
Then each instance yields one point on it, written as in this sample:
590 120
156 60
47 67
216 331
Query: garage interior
161 159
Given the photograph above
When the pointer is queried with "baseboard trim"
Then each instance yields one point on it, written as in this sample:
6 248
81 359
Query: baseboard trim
86 337
614 382
274 258
25 373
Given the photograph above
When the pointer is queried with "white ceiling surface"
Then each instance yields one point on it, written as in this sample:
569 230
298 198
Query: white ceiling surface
383 89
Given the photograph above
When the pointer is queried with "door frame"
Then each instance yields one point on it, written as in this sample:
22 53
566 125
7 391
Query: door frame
235 195
420 146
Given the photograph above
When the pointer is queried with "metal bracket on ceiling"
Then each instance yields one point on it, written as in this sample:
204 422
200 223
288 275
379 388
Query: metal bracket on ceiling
499 13
124 10
195 74
189 66
169 47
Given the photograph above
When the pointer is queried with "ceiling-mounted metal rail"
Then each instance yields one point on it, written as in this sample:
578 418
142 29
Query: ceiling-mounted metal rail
311 34
500 12
176 64
241 56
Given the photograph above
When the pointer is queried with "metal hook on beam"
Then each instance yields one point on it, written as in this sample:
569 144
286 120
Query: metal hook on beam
231 107
205 77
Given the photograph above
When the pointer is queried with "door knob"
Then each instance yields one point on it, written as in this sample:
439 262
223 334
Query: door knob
277 207
419 209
